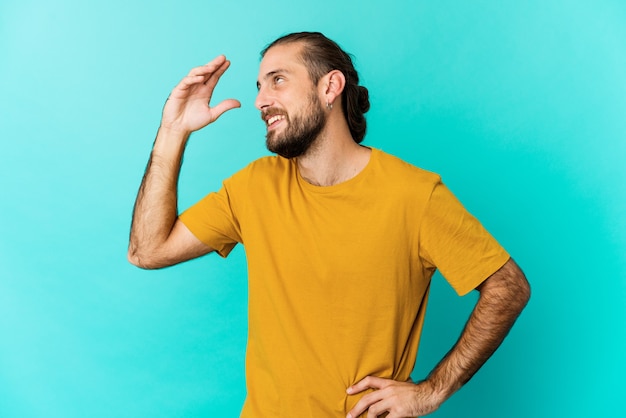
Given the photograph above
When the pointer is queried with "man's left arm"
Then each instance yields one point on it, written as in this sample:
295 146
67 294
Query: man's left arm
503 295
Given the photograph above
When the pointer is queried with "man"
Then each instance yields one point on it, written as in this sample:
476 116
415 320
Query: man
341 241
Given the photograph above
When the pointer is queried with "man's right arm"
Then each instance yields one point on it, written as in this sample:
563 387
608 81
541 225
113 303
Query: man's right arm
158 238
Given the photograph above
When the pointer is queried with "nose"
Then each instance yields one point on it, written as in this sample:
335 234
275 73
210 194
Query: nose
263 99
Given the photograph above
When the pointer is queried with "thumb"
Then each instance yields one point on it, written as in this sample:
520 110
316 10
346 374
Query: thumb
225 106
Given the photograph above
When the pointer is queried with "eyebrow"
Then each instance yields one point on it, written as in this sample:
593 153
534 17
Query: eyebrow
270 74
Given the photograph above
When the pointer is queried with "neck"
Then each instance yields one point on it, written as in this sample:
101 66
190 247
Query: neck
333 159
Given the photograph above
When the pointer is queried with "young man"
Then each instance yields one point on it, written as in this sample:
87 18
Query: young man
341 241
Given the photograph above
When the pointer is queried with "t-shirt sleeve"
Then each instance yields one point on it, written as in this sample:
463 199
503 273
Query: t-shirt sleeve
454 242
213 221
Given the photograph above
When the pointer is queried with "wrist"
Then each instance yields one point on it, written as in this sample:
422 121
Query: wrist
428 397
173 132
439 389
170 140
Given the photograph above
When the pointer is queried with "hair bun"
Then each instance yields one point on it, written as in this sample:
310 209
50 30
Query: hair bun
364 99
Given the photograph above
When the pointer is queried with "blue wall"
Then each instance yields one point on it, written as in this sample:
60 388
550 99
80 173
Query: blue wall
520 106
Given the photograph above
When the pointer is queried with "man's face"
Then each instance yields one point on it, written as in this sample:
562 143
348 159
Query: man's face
289 102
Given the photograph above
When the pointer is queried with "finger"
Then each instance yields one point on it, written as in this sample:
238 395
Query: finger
216 62
369 382
214 76
225 106
209 67
379 408
202 74
207 74
364 403
190 81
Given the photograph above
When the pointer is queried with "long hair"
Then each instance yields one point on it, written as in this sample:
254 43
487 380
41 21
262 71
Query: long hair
322 55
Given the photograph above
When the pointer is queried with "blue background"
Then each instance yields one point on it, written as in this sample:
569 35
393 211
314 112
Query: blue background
520 106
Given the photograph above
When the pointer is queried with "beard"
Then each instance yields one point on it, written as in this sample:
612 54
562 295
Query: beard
301 131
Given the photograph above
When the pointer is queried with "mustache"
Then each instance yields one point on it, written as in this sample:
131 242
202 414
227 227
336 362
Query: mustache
271 111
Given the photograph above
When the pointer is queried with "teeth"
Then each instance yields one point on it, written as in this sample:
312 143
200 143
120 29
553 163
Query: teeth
274 119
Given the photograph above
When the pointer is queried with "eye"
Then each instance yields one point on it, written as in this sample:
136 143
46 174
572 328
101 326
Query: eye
279 79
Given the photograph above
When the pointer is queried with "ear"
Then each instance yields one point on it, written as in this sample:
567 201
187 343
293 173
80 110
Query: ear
332 86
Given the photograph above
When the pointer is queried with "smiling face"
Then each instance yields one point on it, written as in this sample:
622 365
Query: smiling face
289 102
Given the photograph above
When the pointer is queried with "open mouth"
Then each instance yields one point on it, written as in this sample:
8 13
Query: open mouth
272 121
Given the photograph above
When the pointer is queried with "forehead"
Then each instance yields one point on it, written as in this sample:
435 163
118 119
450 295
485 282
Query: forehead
282 57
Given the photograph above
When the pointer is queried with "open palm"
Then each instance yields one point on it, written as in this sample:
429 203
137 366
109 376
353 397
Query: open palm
188 106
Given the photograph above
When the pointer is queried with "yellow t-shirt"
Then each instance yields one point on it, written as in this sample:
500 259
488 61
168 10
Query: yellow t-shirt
339 275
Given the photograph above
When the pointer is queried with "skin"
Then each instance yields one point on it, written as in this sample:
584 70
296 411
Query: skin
284 84
301 131
159 239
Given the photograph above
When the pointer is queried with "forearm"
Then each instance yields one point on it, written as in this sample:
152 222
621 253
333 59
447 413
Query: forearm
155 210
502 298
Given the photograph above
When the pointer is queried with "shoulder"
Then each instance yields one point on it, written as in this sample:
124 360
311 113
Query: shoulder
402 172
261 169
268 164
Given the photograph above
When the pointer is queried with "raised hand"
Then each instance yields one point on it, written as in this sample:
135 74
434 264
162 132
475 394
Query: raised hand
188 107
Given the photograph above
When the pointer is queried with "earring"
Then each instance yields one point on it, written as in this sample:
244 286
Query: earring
329 106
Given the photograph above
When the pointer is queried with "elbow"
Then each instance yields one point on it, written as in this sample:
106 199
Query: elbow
519 290
136 259
519 285
524 291
507 287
